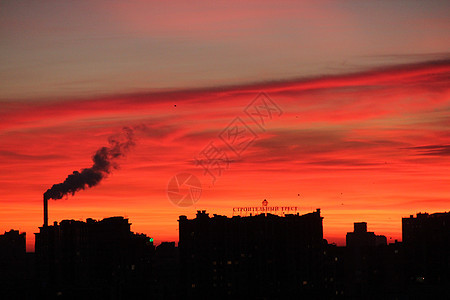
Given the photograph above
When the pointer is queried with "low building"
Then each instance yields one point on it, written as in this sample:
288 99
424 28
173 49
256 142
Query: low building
360 237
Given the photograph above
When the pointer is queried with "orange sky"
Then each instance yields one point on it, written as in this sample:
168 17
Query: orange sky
371 146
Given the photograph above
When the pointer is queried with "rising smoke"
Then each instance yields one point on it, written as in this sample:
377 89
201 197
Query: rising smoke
104 161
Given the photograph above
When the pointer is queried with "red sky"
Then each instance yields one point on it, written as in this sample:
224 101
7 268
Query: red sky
371 146
363 88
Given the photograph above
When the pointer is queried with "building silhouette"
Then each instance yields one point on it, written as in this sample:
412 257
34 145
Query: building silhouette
360 237
364 257
166 265
259 257
16 266
426 240
95 258
262 256
12 245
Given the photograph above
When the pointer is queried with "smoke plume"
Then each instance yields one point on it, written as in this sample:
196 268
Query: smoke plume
104 161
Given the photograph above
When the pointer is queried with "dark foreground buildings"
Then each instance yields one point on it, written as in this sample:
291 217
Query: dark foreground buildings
365 265
256 257
426 241
272 257
17 278
93 259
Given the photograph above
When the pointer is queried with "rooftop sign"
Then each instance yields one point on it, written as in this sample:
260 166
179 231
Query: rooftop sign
265 208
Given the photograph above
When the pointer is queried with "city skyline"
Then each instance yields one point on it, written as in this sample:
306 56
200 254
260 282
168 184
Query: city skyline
261 255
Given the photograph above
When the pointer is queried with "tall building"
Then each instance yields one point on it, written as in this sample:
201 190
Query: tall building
99 258
16 266
261 257
364 273
166 265
426 240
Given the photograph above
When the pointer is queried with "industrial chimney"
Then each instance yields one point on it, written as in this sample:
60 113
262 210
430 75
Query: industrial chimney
45 212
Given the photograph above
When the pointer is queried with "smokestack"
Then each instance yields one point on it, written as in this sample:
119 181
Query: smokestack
45 212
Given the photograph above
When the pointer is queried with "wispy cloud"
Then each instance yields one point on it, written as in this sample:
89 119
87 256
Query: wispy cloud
432 150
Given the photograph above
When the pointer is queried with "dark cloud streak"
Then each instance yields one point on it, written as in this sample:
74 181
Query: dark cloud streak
431 150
